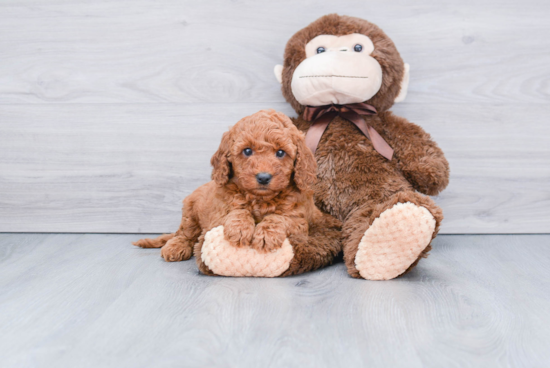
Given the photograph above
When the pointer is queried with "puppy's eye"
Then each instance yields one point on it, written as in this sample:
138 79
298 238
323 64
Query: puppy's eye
320 49
247 152
280 153
358 48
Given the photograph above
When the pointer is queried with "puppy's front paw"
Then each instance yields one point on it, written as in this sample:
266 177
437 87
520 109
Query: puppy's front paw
239 231
268 237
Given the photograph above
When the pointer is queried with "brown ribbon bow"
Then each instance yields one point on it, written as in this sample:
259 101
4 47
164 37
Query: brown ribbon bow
323 115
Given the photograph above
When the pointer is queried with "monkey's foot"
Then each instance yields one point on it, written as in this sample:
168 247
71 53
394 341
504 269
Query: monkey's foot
394 241
226 260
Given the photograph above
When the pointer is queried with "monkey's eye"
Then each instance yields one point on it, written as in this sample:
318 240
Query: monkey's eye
247 152
358 48
280 153
320 49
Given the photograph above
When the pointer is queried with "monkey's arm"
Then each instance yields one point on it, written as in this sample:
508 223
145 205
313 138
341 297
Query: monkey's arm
419 157
301 124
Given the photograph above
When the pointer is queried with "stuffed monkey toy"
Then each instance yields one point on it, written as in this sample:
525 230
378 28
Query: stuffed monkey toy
342 75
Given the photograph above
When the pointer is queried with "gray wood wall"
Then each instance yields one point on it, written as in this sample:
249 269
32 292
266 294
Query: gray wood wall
110 110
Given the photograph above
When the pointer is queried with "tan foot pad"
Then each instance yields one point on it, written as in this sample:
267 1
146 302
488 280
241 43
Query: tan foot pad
394 241
226 260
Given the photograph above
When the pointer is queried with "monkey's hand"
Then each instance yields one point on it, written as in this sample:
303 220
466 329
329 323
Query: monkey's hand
428 174
419 157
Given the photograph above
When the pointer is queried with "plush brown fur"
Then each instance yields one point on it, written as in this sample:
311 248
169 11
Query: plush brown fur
355 183
255 215
384 52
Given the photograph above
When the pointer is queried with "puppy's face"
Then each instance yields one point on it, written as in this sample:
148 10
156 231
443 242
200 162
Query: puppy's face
263 154
263 157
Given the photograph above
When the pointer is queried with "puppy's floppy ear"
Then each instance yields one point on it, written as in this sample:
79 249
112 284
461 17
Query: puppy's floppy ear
305 166
220 161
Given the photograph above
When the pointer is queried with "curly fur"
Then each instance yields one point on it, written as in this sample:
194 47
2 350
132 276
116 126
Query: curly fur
255 215
355 183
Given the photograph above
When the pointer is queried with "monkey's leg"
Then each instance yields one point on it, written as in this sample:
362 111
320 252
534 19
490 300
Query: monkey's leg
217 256
298 254
197 250
318 249
384 241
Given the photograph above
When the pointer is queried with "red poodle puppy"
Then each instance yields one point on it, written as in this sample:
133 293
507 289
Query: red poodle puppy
257 217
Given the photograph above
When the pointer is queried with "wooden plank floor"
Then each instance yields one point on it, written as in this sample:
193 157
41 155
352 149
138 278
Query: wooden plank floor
95 300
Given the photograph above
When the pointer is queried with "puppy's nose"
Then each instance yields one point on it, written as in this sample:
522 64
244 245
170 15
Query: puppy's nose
263 178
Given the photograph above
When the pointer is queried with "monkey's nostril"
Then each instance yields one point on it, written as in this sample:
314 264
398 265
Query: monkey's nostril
263 178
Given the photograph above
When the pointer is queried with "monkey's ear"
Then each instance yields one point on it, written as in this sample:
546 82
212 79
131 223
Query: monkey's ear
220 161
305 166
404 85
279 73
